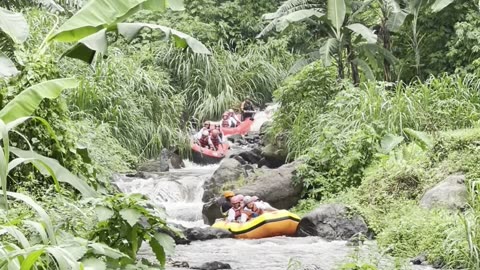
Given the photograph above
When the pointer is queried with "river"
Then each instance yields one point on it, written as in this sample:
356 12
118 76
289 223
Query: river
180 192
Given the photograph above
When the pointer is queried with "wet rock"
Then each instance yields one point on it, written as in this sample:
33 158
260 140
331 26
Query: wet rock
177 234
229 171
179 264
207 233
159 165
215 265
451 193
273 157
211 211
332 222
264 127
175 161
236 139
274 186
419 260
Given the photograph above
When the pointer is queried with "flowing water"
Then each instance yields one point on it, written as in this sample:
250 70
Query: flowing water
180 193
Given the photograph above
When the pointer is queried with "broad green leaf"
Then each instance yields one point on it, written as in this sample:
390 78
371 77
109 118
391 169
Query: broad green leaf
167 243
326 51
25 103
395 20
393 6
102 249
86 48
97 15
363 31
158 251
440 4
131 30
14 163
31 259
63 259
367 71
93 264
45 218
39 228
130 215
103 213
390 141
7 67
51 167
76 251
336 14
283 22
425 140
16 234
14 25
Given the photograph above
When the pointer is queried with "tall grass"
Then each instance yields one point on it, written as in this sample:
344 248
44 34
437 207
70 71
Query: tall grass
136 100
212 84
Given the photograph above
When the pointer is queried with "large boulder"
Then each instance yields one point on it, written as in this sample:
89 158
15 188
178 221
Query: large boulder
451 193
159 165
272 156
229 170
175 161
207 233
215 265
332 222
274 186
251 156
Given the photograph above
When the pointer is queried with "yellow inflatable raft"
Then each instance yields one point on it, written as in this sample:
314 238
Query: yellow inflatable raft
269 224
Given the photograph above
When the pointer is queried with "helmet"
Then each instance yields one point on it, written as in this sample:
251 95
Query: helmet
206 123
249 199
215 132
231 111
236 199
225 114
205 133
228 194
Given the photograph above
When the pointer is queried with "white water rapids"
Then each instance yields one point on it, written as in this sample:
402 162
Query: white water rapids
180 193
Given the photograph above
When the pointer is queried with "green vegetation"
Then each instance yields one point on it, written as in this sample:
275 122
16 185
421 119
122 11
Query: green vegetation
381 102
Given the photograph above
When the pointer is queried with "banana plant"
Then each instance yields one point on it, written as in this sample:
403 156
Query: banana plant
340 24
16 112
13 27
88 27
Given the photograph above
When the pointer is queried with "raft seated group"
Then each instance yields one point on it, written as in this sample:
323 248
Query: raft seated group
250 218
210 144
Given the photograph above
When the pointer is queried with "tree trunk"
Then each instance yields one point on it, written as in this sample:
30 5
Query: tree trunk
353 66
387 73
340 63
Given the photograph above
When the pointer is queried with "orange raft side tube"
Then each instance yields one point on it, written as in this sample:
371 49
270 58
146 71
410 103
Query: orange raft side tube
241 129
270 224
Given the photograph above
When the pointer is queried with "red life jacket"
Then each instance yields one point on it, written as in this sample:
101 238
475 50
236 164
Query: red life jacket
238 213
203 141
215 140
226 123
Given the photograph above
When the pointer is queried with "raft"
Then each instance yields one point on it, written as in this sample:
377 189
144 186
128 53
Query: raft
241 129
206 156
269 224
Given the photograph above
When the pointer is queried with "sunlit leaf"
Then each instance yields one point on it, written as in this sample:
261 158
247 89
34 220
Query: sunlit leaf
440 4
363 31
336 11
103 213
130 215
14 25
7 67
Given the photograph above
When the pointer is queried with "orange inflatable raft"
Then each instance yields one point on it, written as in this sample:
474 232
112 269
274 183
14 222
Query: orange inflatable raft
206 156
269 224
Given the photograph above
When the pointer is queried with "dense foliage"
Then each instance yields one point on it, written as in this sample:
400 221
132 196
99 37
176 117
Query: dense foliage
384 103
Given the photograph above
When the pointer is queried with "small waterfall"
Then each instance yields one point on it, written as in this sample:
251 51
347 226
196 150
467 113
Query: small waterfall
178 191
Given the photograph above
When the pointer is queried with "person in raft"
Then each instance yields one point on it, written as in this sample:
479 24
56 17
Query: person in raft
206 126
215 140
225 203
205 141
227 121
255 207
220 133
233 117
236 213
247 108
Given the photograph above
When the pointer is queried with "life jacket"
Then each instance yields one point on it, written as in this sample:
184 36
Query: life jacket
203 141
248 106
238 213
226 123
254 212
215 140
